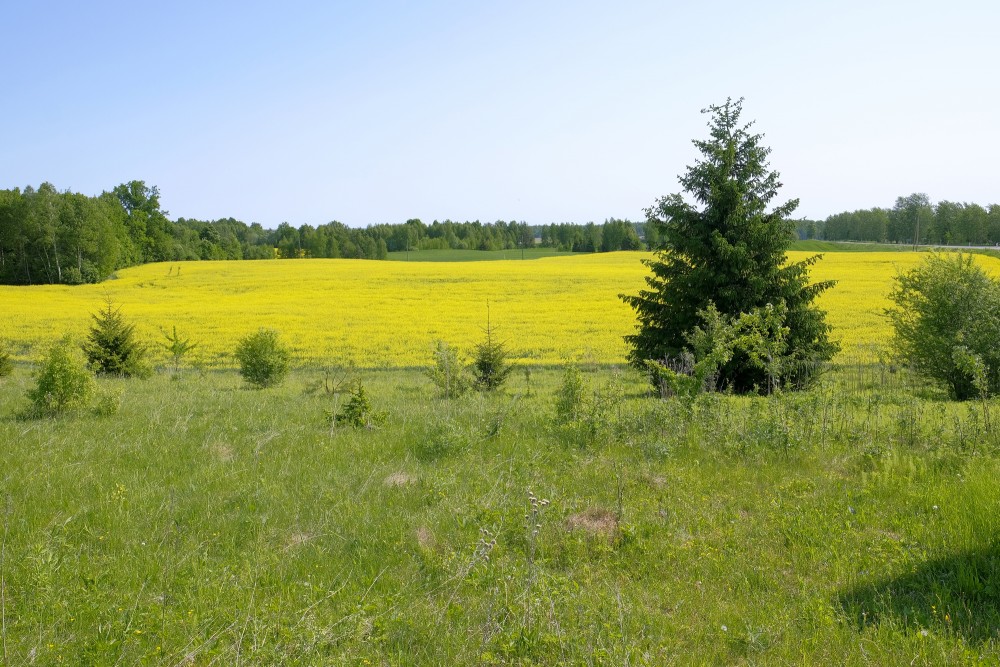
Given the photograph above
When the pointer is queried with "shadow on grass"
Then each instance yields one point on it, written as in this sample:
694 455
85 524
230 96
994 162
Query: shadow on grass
957 594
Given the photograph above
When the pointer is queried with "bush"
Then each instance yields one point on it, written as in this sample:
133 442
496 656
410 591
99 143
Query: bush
358 411
62 380
571 397
583 416
6 364
947 324
448 374
262 358
111 346
109 403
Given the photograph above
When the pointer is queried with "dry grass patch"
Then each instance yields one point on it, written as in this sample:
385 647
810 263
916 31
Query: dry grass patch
425 538
223 452
398 479
296 540
595 521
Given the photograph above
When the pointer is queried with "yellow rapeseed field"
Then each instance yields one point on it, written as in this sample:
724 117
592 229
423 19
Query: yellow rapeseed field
373 314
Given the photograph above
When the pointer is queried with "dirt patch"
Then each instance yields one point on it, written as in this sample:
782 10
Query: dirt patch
425 538
595 521
297 540
222 451
657 481
398 479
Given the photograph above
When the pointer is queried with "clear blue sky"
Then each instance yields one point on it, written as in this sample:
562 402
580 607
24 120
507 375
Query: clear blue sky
373 112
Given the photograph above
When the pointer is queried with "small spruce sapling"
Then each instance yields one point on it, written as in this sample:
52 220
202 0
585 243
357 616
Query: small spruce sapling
358 411
112 347
490 365
177 347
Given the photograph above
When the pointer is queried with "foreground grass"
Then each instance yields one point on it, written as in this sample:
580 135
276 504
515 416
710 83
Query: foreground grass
207 523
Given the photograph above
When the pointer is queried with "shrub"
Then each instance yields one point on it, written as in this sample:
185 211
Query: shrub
448 374
112 347
490 365
62 380
946 320
584 416
571 397
6 364
358 411
443 437
262 358
109 402
758 337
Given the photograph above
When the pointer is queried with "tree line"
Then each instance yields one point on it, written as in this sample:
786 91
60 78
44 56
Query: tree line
913 219
48 236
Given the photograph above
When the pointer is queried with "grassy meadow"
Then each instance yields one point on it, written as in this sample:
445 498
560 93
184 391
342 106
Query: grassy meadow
206 523
202 522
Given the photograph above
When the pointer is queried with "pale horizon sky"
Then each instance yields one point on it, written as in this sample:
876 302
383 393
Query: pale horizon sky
544 112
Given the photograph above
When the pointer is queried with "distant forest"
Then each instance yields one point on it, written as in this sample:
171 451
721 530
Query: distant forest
47 236
912 220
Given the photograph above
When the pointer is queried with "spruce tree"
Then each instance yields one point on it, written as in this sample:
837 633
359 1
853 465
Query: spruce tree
490 363
727 249
112 347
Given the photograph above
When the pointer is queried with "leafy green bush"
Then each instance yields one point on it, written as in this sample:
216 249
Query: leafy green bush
112 347
448 373
109 402
758 337
62 380
585 416
262 358
946 319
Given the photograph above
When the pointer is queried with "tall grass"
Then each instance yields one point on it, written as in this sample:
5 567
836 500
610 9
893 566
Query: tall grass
207 523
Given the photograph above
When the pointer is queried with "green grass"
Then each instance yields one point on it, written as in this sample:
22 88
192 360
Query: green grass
847 246
859 246
535 253
475 255
209 523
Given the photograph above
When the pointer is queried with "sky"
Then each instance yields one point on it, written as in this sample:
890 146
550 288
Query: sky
539 111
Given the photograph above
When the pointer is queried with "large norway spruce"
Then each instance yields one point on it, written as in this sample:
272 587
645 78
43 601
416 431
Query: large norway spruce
725 252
